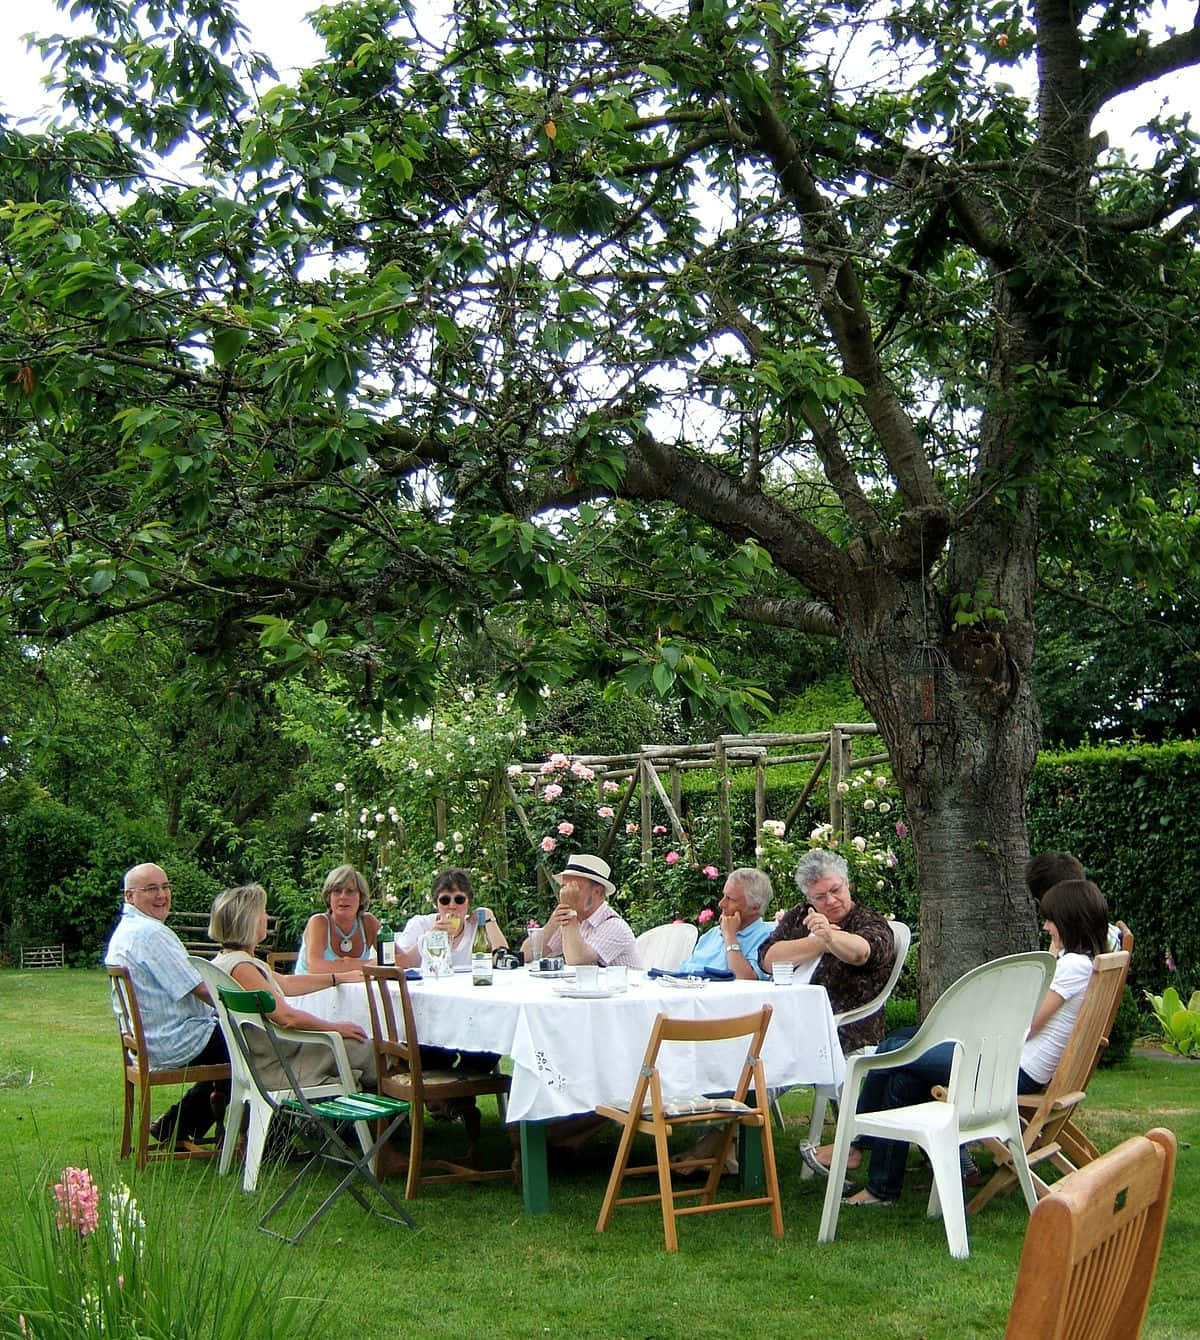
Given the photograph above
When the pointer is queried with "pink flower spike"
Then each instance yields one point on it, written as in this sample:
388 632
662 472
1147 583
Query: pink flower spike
671 857
705 916
548 844
78 1198
711 872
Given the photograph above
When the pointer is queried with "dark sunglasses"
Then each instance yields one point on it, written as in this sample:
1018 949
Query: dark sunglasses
445 899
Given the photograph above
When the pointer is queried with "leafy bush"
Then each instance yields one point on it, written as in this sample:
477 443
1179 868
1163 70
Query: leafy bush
1180 1023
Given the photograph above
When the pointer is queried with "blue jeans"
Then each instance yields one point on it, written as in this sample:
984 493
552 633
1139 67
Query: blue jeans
902 1087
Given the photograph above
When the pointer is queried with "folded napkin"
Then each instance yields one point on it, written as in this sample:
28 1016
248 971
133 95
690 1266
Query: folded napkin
709 974
413 975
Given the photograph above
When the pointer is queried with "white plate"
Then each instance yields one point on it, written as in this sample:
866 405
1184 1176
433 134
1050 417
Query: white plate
462 967
684 983
584 993
558 972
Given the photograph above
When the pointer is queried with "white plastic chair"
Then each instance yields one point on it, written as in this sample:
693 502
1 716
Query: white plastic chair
824 1094
665 947
244 1092
986 1014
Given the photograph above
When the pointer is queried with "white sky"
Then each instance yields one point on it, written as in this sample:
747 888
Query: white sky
278 28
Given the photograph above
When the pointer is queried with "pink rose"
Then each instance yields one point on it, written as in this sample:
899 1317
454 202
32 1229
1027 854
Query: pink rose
631 828
902 829
552 792
606 812
533 924
548 844
658 828
610 788
565 829
705 917
711 872
671 857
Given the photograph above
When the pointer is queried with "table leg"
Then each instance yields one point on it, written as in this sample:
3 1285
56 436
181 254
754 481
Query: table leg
535 1179
750 1159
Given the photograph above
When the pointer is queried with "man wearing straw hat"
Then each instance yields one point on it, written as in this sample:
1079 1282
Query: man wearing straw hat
583 928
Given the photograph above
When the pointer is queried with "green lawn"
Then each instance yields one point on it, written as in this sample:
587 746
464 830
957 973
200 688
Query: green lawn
479 1265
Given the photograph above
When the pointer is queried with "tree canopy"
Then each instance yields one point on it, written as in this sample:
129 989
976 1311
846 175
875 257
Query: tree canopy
578 331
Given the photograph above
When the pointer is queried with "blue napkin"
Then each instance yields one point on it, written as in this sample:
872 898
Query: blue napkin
413 975
709 974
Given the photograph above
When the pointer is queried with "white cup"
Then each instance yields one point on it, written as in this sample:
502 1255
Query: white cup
782 973
616 978
587 976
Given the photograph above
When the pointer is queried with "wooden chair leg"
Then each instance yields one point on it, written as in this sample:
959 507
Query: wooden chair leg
665 1190
616 1177
416 1144
127 1122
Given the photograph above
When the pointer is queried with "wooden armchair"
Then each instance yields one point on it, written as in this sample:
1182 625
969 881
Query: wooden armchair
1092 1246
139 1078
403 1076
1044 1116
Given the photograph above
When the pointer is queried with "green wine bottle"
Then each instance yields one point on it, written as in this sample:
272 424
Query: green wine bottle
481 952
385 946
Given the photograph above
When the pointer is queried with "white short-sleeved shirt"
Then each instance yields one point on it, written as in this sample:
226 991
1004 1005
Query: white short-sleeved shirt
1042 1051
177 1024
460 949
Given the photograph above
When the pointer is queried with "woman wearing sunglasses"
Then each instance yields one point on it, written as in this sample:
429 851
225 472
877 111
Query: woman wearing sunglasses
345 932
452 895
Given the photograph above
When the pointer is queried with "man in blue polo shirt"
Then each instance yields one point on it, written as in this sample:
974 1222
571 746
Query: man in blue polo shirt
733 943
177 1015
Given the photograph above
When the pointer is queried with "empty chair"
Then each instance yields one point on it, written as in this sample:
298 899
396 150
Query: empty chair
1092 1245
402 1075
139 1078
651 1112
985 1014
326 1118
665 947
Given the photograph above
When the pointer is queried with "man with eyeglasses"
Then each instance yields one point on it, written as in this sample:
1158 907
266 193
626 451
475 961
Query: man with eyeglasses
855 944
177 1015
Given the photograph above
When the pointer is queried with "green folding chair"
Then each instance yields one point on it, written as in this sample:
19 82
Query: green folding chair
324 1117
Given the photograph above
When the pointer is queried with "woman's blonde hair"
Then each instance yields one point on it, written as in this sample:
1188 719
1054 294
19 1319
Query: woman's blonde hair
235 914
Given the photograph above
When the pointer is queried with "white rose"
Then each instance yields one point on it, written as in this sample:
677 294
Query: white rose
884 807
860 843
339 786
868 804
456 837
843 788
313 818
881 783
439 846
370 832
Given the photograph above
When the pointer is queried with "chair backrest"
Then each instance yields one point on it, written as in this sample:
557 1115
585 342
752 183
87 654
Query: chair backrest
1126 938
129 1019
1092 1246
396 1049
1089 1036
987 1013
667 1030
665 947
242 1009
218 980
902 936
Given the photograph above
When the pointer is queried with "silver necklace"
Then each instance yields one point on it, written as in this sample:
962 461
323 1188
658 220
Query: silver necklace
347 941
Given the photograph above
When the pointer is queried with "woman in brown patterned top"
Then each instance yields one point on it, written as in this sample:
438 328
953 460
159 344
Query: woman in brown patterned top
854 944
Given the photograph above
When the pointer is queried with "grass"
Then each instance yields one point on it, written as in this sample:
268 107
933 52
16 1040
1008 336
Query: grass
479 1265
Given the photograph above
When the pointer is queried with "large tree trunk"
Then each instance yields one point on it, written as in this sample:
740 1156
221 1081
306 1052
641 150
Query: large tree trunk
964 779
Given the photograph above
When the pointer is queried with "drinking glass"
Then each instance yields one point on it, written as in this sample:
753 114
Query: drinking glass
435 949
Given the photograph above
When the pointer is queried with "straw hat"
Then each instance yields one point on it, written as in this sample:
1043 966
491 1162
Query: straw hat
589 867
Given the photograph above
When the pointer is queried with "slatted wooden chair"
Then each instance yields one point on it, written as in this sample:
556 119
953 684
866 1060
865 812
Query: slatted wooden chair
651 1112
1092 1246
1075 1145
403 1076
1045 1115
140 1080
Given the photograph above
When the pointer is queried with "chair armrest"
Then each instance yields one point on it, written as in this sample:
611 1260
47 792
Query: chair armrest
859 1066
331 1040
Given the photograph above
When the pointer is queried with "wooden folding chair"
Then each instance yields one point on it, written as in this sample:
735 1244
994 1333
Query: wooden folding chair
649 1112
140 1078
1045 1115
325 1118
1075 1145
1092 1246
402 1075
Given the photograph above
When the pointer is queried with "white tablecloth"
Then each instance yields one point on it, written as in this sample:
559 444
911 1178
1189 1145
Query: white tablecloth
568 1055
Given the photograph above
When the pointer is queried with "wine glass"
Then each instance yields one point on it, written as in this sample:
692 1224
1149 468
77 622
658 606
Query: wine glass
436 947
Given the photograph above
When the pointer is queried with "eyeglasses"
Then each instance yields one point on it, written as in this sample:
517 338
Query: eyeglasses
836 891
164 887
445 899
